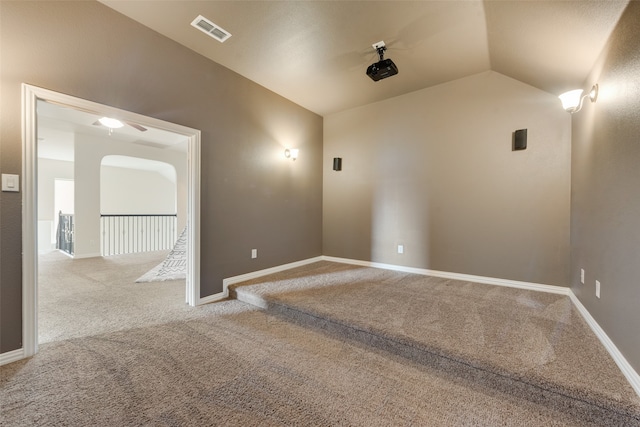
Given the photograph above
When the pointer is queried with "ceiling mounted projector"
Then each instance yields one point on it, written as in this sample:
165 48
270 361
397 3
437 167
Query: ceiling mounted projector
383 68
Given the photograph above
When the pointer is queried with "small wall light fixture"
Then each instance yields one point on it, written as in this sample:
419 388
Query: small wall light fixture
337 163
572 100
291 153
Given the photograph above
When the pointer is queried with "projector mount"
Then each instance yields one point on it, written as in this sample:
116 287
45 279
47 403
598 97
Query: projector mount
380 47
384 67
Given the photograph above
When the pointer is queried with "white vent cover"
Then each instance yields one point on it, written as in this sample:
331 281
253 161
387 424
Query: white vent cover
211 29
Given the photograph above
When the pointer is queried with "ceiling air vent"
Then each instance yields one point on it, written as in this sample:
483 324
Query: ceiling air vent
211 29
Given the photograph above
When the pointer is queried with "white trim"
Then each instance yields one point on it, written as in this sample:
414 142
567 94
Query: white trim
84 256
627 370
255 274
29 222
65 253
456 276
215 297
30 96
193 219
11 356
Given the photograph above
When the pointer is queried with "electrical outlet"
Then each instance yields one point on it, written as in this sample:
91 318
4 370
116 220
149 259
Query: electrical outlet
597 288
254 253
400 249
582 276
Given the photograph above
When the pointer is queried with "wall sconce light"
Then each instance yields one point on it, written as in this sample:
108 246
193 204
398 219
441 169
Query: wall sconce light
291 153
337 163
572 100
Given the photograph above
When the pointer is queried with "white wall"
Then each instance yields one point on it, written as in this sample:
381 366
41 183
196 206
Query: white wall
131 191
89 152
48 171
141 195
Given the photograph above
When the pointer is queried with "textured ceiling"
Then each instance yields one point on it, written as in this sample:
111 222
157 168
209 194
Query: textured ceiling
315 53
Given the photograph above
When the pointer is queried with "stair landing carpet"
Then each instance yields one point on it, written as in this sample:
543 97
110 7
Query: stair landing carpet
174 266
524 342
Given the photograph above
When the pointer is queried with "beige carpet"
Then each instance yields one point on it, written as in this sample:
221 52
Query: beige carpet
520 341
239 366
83 297
234 364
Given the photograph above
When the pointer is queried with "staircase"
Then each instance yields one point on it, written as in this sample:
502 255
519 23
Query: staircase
529 344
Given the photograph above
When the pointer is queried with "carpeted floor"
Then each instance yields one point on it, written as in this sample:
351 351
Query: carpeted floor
521 340
83 297
300 362
240 366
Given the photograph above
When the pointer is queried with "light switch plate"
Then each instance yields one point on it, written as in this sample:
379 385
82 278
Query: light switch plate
10 182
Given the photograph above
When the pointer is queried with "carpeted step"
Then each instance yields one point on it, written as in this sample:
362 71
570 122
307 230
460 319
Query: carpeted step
532 344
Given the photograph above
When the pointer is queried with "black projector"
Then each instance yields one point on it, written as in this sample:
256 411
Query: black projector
382 69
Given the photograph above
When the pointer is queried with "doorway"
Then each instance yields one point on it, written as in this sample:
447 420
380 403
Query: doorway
31 97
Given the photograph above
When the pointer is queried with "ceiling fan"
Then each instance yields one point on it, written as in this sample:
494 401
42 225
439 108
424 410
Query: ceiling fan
107 122
116 124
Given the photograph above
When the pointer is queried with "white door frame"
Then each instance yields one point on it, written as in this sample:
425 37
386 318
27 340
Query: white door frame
30 97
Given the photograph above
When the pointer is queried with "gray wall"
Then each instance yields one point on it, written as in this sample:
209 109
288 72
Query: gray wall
434 170
605 202
251 196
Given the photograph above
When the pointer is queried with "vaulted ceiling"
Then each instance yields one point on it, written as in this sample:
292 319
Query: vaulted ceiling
315 53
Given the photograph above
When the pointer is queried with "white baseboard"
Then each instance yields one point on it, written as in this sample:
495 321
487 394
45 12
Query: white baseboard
11 356
83 256
627 370
66 254
456 276
213 298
